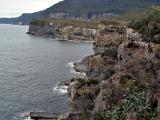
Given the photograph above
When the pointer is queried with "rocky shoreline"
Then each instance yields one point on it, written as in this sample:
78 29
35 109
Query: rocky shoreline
119 55
122 70
68 33
121 59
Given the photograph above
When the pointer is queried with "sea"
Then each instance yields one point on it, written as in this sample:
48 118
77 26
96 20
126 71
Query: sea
31 69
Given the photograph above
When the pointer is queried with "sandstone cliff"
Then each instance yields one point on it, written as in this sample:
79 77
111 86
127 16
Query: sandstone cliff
123 79
67 32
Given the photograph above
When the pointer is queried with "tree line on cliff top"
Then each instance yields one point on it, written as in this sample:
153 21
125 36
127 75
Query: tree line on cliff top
89 7
86 7
148 25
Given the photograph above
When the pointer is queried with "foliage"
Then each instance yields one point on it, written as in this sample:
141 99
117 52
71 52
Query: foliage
109 73
157 51
157 65
110 22
124 79
61 22
134 101
91 82
88 7
111 52
87 82
148 25
85 116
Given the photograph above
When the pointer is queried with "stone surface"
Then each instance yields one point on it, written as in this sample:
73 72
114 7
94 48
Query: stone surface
43 116
134 60
63 32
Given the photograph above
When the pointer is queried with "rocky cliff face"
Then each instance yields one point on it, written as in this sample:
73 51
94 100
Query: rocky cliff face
63 33
122 79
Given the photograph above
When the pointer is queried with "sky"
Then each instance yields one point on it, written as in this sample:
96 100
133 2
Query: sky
14 8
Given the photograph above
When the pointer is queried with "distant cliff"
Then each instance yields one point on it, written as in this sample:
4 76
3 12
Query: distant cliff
78 9
122 79
64 29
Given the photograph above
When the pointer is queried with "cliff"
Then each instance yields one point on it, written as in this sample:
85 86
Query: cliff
63 29
96 9
122 76
122 79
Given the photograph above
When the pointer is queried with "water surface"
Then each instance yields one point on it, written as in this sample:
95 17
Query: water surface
29 69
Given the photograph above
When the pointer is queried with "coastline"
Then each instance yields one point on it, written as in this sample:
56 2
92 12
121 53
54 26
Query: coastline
63 33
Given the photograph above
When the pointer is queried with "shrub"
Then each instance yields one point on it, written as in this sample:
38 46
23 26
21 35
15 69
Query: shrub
109 73
157 39
85 116
98 116
157 51
111 52
110 22
91 82
63 23
87 82
134 100
148 25
124 79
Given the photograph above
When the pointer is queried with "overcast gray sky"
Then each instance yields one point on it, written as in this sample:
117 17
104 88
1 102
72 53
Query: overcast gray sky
14 8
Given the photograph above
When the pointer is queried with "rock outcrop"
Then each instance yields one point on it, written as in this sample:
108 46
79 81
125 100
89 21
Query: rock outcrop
42 30
62 32
122 67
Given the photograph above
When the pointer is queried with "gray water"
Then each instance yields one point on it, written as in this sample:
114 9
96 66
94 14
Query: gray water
29 69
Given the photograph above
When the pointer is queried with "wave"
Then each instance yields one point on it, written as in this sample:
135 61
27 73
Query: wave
60 89
73 71
76 41
24 116
81 41
29 118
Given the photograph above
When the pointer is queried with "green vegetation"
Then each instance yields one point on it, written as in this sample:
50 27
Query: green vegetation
60 22
124 79
110 22
157 48
157 51
111 52
125 18
85 116
81 80
148 25
89 8
87 82
109 73
133 103
86 24
91 82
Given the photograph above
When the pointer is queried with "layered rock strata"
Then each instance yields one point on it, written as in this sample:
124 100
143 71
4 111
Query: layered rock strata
121 59
63 33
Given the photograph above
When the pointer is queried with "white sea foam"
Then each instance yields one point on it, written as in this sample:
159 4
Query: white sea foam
73 71
81 41
24 116
28 118
76 41
60 89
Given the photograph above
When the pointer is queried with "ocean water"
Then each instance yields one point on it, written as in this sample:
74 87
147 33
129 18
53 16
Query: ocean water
30 70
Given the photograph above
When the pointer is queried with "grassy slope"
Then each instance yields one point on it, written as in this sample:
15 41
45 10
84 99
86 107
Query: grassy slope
89 7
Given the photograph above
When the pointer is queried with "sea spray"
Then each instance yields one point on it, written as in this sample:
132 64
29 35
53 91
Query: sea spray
74 72
28 118
58 89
